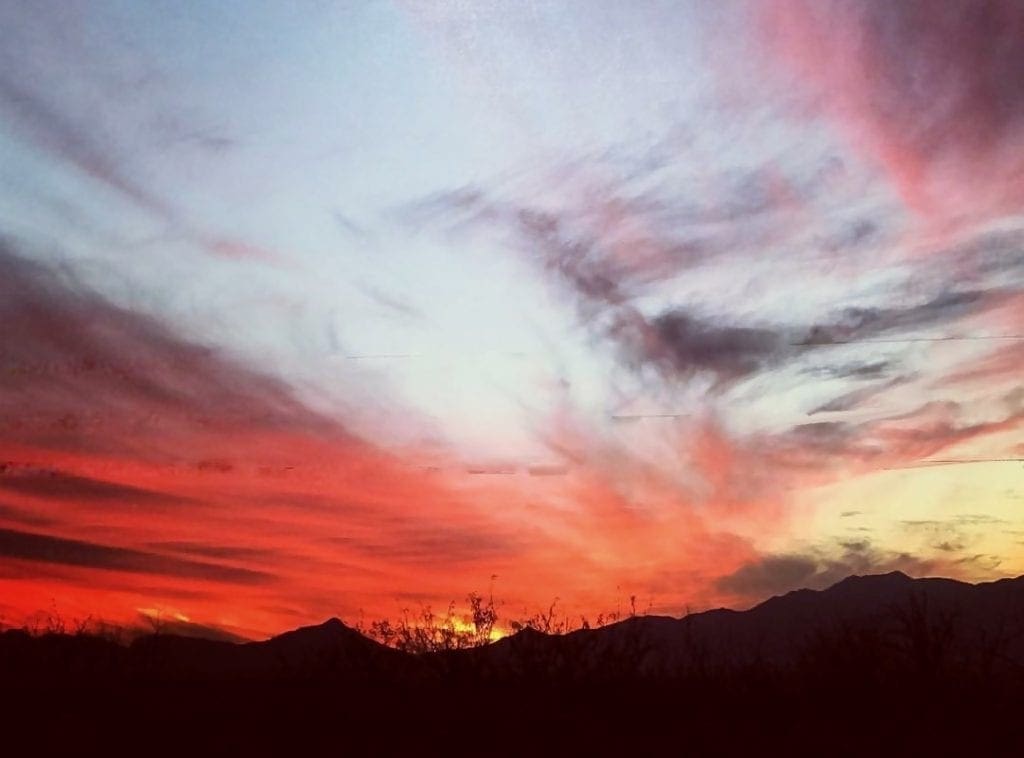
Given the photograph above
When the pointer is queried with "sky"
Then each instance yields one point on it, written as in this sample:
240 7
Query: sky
320 308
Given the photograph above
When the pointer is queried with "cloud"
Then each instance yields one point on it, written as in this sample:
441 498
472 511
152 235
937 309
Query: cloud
418 542
171 444
930 90
208 550
704 257
150 623
681 345
620 249
856 398
43 548
74 143
77 371
548 470
1001 364
608 256
889 441
929 430
772 575
854 324
81 144
236 249
22 516
867 369
778 574
51 484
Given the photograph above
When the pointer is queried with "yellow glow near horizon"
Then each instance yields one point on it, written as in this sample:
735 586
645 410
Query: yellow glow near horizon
976 508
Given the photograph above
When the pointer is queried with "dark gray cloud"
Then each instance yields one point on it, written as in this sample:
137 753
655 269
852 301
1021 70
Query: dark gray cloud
680 344
63 486
772 575
855 324
778 574
43 548
849 401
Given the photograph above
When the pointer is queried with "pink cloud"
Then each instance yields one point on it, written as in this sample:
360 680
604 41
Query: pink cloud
929 90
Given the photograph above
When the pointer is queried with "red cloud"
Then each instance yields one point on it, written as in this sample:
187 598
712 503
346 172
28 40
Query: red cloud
144 471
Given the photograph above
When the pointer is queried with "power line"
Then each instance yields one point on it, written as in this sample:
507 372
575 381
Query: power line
638 416
928 463
897 340
451 354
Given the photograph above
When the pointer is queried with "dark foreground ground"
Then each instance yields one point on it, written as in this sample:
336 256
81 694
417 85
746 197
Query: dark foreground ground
882 665
283 719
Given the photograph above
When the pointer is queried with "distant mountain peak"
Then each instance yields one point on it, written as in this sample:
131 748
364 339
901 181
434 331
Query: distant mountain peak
891 577
895 575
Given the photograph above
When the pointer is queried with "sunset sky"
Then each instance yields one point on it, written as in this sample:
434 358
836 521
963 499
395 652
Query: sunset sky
334 308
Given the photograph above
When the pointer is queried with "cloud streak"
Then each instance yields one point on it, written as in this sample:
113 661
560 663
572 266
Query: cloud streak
43 548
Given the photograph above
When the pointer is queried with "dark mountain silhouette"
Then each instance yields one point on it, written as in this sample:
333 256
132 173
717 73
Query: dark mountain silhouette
895 664
903 616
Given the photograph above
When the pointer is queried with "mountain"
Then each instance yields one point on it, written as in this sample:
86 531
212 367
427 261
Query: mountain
889 619
874 665
889 615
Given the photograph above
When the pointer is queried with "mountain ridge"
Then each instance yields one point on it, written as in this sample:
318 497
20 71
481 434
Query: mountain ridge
890 611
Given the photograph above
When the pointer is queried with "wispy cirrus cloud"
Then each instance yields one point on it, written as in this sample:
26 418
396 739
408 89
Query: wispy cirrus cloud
104 153
618 265
75 143
928 90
